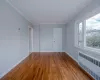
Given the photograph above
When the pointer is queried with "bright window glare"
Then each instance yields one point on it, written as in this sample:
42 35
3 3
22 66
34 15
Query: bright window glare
93 23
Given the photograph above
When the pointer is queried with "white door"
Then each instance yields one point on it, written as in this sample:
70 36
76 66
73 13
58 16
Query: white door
57 39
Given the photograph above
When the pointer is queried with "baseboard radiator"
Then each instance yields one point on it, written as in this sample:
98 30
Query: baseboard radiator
90 65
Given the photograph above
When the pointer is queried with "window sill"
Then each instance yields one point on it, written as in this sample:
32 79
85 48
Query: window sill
97 51
92 49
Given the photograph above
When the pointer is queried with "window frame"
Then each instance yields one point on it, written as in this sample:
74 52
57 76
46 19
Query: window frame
84 47
87 47
79 35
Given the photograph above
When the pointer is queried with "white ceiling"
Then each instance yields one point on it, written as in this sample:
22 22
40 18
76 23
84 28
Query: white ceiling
50 11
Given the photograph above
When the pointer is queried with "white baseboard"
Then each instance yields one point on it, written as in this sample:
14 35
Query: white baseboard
71 57
1 75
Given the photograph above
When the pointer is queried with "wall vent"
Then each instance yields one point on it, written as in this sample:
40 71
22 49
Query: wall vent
95 76
87 69
92 60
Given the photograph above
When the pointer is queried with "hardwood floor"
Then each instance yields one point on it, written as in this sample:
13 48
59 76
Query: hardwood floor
47 66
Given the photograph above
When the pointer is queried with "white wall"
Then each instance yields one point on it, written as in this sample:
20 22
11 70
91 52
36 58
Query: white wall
43 35
13 37
87 12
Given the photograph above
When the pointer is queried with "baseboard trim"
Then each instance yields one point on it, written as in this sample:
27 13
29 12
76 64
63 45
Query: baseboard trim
71 57
3 74
75 62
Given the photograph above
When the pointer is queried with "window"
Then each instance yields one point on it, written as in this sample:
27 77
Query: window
80 33
93 32
89 33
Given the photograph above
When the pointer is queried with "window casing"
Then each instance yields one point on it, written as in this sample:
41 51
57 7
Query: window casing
89 33
80 33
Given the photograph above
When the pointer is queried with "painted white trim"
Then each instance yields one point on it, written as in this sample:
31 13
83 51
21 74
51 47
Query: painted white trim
30 27
72 57
84 47
97 51
23 59
4 73
83 19
93 50
88 55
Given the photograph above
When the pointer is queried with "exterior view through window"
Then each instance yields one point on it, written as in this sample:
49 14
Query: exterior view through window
93 32
89 32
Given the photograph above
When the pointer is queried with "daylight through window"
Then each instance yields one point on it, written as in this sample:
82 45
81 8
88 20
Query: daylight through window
89 33
93 32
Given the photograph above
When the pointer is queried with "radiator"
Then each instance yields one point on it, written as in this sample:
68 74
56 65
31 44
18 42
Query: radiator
90 65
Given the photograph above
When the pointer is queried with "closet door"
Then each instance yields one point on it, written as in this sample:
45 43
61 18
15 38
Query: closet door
57 39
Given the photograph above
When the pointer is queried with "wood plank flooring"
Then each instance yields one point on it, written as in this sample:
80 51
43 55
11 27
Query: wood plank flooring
46 66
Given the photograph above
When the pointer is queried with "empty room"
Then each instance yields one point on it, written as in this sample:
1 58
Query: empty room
49 39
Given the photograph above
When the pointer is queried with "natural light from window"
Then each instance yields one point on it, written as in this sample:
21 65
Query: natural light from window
93 32
80 34
89 33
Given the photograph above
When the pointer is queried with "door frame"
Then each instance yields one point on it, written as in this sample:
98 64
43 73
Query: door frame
55 41
30 30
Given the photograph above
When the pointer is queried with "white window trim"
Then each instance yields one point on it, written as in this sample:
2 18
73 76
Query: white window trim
86 16
92 49
83 47
76 34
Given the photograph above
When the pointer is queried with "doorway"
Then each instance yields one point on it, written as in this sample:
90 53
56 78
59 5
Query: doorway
57 39
30 39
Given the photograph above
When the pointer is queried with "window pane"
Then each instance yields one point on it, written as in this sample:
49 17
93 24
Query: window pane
80 34
93 32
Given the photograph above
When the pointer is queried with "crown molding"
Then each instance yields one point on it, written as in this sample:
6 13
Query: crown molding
18 10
